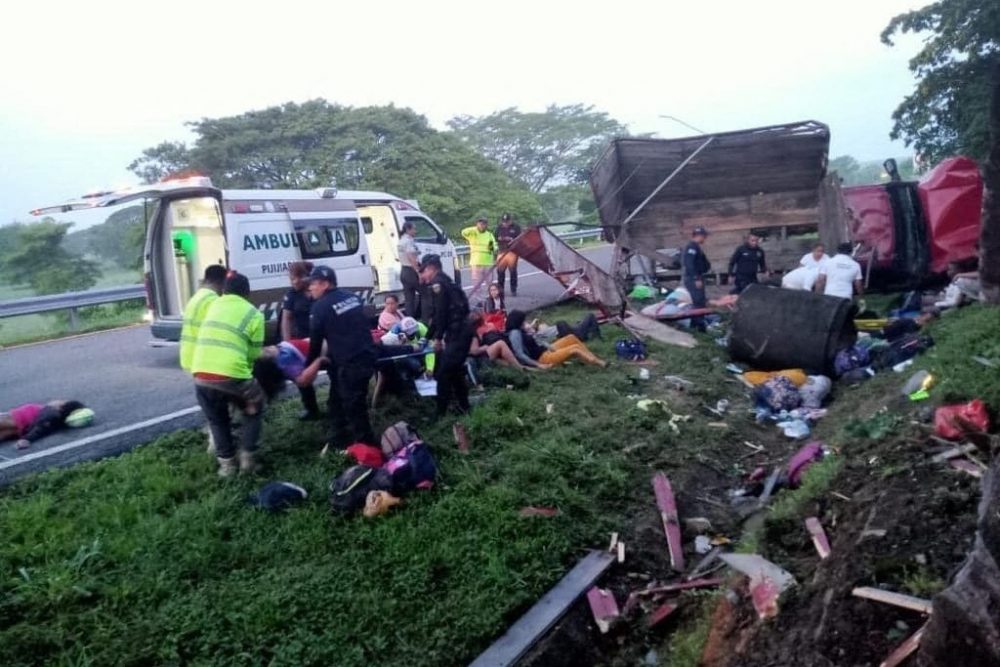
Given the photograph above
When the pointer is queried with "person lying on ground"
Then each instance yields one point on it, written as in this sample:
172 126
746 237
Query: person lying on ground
531 352
965 287
32 421
494 347
289 358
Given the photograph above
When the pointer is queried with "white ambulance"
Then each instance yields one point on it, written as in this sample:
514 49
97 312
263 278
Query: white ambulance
192 224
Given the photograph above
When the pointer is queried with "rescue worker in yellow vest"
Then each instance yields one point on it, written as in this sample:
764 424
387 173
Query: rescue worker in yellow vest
194 312
229 341
482 248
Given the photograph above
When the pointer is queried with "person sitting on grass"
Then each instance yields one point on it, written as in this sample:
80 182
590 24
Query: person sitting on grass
390 315
488 343
31 421
494 300
531 352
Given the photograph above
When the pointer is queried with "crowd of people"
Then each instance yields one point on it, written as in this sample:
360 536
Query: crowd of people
433 334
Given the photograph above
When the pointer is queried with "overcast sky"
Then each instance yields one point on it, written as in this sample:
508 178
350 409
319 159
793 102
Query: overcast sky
87 86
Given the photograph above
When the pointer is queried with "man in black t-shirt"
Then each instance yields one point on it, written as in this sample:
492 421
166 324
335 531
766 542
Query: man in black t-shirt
295 310
506 232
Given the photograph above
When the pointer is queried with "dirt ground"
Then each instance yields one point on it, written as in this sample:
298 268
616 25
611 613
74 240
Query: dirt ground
895 520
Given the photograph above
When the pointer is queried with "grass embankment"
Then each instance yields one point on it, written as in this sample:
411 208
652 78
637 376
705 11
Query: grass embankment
149 559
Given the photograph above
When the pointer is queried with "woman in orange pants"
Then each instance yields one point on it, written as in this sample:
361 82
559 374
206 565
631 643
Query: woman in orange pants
530 352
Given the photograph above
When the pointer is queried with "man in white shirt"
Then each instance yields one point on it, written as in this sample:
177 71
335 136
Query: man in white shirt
802 278
841 276
816 259
409 260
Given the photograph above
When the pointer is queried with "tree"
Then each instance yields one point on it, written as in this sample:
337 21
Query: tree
38 259
853 172
947 113
989 240
376 148
544 149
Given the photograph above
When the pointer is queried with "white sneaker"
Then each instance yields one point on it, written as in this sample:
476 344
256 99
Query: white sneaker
247 463
227 467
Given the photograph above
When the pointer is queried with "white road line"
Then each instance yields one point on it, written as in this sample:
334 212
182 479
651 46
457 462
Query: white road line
83 442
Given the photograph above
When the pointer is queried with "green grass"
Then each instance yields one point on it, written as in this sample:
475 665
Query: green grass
150 559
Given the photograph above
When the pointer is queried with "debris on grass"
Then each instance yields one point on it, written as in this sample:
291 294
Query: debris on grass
661 613
668 514
904 650
767 581
896 599
819 538
604 607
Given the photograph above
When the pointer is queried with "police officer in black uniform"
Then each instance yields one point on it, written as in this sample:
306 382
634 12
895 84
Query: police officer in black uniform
450 331
338 318
696 265
746 263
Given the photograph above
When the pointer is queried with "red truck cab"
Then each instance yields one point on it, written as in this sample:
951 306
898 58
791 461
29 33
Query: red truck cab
911 231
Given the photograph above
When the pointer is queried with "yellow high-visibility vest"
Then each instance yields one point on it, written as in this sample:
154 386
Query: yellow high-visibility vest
230 338
194 313
481 246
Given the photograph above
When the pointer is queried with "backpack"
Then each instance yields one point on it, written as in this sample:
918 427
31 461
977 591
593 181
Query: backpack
396 437
850 359
412 467
349 491
631 349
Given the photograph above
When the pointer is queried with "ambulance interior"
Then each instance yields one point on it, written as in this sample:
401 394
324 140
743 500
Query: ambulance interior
187 239
379 223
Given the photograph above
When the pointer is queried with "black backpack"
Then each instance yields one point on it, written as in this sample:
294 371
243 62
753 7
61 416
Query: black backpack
349 491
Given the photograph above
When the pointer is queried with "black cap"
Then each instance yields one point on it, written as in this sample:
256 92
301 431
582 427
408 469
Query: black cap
430 260
323 273
699 231
506 216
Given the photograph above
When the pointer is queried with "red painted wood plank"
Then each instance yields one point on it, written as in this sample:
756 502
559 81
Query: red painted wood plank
683 586
904 650
819 538
671 525
604 607
661 613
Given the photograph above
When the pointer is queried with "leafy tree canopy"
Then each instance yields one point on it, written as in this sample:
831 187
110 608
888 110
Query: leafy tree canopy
540 150
38 259
948 112
374 148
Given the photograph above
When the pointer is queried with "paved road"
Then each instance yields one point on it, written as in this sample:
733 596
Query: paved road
138 392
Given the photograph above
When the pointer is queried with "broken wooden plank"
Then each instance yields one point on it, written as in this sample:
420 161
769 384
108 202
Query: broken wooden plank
682 586
668 514
767 580
819 538
661 613
621 552
647 326
966 466
520 637
614 542
604 607
704 564
904 650
953 453
772 481
895 599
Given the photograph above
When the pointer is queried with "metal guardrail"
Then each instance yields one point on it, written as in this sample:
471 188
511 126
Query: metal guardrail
72 300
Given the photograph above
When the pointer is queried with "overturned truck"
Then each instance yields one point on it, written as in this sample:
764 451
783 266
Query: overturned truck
651 193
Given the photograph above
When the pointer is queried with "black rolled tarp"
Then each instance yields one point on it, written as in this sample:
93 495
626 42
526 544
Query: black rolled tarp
776 328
